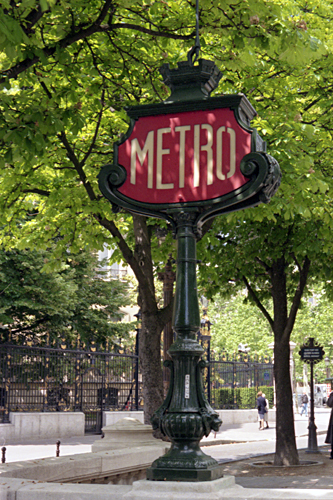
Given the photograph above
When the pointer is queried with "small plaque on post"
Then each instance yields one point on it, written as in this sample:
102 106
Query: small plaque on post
187 387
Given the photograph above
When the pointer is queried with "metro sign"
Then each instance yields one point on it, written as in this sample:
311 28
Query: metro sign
189 154
184 157
187 160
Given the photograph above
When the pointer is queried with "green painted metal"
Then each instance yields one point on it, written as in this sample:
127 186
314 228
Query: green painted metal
189 81
262 169
186 416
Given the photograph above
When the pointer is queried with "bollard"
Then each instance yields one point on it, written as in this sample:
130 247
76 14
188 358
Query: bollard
3 455
58 449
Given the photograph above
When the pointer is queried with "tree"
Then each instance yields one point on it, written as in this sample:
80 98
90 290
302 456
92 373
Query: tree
235 321
278 261
75 300
277 250
68 70
314 320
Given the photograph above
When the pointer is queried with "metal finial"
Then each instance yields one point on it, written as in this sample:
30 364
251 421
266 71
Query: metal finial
196 49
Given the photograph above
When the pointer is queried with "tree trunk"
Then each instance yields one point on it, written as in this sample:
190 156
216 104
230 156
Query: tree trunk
286 451
152 322
150 362
168 276
152 318
282 326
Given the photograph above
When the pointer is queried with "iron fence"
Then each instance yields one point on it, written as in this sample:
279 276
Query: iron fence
92 380
35 378
232 382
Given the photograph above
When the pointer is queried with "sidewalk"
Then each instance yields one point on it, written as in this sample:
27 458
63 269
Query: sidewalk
243 440
232 442
257 443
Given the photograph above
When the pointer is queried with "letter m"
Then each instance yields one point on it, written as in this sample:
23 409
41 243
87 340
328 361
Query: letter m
136 151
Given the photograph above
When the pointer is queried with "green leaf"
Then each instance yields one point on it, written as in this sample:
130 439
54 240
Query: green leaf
44 5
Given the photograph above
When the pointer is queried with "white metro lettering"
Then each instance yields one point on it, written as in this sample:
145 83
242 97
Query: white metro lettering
182 130
160 153
219 164
148 148
219 173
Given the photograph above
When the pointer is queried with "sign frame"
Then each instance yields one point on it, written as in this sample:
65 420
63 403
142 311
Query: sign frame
311 347
261 169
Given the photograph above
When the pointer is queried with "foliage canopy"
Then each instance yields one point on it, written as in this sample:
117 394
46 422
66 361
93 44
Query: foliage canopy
67 69
77 300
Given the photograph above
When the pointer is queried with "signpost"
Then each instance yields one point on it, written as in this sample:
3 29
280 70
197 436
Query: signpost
187 160
312 353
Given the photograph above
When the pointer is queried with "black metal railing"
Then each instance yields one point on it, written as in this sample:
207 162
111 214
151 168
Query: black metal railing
36 378
92 380
234 380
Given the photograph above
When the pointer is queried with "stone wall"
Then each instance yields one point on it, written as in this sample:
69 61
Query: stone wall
27 426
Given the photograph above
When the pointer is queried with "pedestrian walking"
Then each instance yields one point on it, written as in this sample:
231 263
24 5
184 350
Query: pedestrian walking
329 435
266 411
304 403
261 403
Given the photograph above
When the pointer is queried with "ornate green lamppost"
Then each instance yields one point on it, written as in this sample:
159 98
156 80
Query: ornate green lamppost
186 160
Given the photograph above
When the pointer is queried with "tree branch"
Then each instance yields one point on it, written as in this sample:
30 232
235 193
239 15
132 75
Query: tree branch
267 268
205 228
135 27
78 166
32 18
62 44
298 265
165 314
41 192
30 327
303 275
92 144
122 245
258 303
96 27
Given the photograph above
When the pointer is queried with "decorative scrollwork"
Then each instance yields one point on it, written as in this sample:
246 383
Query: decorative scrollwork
185 218
262 164
273 179
116 175
248 166
311 351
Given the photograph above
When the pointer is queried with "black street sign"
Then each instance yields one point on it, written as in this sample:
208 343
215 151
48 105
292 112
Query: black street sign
311 353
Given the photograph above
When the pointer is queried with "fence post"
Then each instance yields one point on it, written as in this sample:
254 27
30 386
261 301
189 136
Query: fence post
208 373
7 385
46 379
256 378
136 371
77 381
234 367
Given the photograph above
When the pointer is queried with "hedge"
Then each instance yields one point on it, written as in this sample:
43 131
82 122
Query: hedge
241 397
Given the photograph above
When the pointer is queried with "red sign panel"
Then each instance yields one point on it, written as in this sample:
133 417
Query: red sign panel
184 157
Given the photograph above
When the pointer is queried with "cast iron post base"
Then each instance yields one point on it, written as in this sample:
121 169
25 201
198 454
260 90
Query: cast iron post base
194 475
312 438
